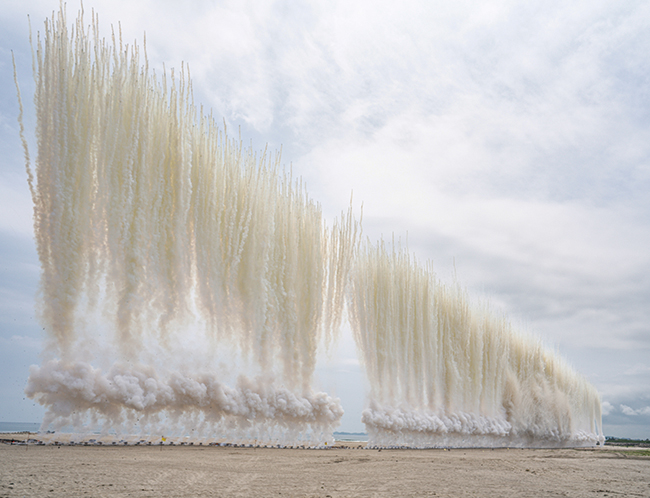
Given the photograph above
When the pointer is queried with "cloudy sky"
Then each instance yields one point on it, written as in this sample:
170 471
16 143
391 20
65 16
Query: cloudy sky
510 140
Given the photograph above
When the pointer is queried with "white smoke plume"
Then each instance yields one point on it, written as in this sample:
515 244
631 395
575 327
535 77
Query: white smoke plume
134 398
444 372
151 222
147 214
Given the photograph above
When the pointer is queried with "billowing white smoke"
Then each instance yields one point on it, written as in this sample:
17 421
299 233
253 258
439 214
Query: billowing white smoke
445 373
149 216
135 398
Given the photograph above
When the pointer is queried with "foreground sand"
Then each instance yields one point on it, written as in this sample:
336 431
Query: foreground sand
231 472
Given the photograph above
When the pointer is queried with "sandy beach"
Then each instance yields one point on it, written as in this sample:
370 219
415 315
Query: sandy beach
30 470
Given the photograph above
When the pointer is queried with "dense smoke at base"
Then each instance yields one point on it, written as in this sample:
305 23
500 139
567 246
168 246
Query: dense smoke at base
148 215
445 372
403 427
131 399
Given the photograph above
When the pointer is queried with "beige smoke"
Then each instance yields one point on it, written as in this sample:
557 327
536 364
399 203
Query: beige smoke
444 372
150 216
146 211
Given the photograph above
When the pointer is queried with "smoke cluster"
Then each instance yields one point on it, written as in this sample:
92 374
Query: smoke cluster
130 399
148 215
151 222
445 372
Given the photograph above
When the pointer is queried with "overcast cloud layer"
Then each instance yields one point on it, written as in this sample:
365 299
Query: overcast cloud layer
510 137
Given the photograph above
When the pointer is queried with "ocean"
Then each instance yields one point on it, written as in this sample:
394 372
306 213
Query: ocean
350 436
19 426
8 427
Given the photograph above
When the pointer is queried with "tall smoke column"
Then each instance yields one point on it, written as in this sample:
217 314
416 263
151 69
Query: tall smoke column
444 372
147 213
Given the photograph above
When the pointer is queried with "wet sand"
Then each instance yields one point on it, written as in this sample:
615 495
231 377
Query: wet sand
231 472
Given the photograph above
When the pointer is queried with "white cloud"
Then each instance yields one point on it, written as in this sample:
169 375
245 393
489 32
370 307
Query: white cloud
638 369
23 341
607 408
632 412
627 410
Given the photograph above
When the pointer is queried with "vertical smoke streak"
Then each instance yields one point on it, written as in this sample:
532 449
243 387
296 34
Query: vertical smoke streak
444 372
147 211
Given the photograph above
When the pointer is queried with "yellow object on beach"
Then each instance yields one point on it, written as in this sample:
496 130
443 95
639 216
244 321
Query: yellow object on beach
163 438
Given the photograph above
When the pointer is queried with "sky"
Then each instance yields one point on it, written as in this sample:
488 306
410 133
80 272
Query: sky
507 142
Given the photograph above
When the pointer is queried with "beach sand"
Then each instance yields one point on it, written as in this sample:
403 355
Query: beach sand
231 472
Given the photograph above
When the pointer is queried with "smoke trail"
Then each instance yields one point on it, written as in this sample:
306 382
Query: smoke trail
445 373
148 214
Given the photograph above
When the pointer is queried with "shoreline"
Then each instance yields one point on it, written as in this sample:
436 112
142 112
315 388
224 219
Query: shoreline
67 439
